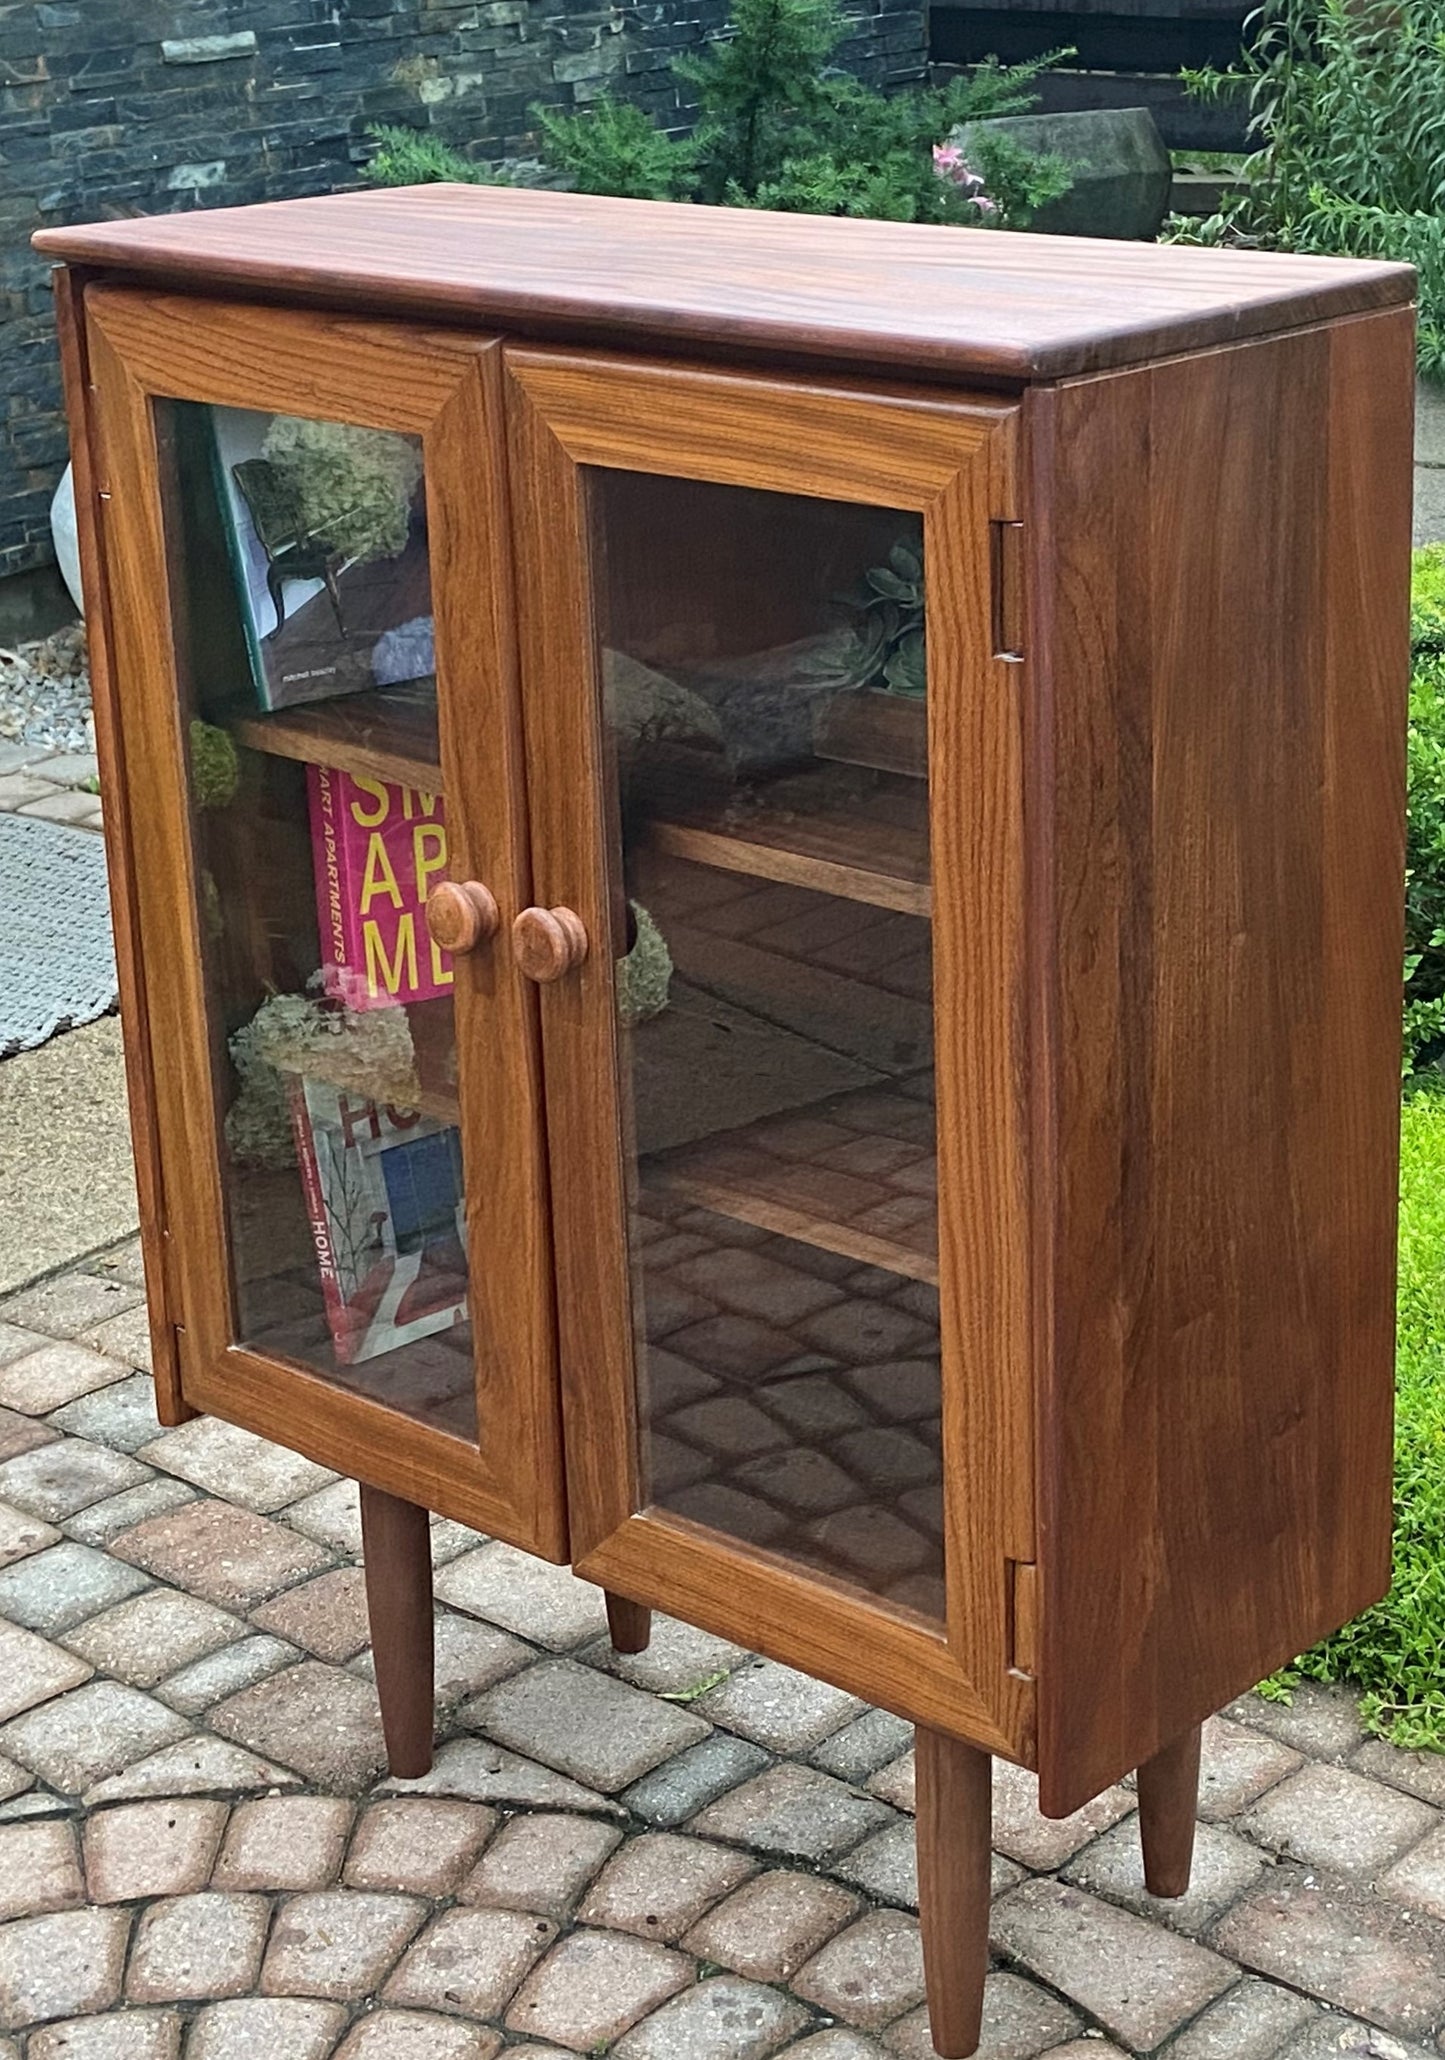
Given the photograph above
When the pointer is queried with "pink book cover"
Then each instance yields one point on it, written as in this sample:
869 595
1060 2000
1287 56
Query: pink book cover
378 849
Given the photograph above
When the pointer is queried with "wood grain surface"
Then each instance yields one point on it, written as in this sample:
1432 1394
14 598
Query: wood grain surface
954 304
1220 573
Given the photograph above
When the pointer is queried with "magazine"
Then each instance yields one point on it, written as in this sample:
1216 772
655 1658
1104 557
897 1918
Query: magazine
384 1195
377 851
325 527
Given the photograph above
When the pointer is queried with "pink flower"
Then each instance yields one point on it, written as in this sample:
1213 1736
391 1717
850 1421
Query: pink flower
950 163
984 205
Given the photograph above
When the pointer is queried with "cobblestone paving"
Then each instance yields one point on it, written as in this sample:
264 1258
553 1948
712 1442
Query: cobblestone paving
36 779
688 1855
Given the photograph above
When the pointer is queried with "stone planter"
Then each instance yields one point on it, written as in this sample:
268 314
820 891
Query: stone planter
1121 169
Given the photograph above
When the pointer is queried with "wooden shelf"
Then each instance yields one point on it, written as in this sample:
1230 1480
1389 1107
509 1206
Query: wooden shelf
390 734
874 852
856 1174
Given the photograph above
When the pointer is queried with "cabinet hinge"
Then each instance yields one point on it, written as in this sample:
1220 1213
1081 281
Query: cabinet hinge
1008 589
1023 1616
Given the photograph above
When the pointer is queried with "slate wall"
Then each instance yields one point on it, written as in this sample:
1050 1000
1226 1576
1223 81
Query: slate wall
112 107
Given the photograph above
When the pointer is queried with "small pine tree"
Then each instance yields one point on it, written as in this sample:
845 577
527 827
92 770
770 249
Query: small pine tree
779 127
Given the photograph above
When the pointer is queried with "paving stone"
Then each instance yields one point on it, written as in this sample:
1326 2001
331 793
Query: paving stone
595 1728
326 1616
285 2028
1418 1773
1044 1843
870 1973
126 1337
678 1659
746 1279
795 1812
768 1928
229 1556
227 1672
1322 1721
1225 1865
1330 2036
1140 1981
162 1848
21 1433
235 1464
197 1766
481 1772
106 1520
66 1965
124 1261
93 1731
419 2035
122 1415
312 1717
861 1748
593 1986
52 1591
284 1842
153 1634
680 1787
1327 1816
58 806
53 1481
1019 2021
895 1783
15 1342
885 1866
39 1869
332 1516
68 1303
547 1604
777 1707
721 2019
128 2035
53 1374
1418 1880
194 1946
421 1844
470 1961
1248 2023
21 1534
1236 1765
14 1780
340 1943
839 2042
20 790
469 1656
541 1863
660 1883
32 1670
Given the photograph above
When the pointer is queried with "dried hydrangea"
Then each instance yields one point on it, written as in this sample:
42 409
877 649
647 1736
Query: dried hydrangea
367 1052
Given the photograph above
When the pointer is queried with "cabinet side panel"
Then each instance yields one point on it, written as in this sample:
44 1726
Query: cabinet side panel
1224 563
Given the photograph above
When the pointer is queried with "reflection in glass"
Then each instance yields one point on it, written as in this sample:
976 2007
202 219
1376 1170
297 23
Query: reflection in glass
303 625
763 661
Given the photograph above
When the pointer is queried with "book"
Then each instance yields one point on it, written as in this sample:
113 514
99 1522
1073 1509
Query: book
324 528
384 1196
378 849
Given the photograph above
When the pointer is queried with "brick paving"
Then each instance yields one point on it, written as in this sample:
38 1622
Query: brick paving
684 1854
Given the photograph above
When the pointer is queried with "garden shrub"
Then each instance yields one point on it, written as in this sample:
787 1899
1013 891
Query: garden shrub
1347 104
1425 861
779 126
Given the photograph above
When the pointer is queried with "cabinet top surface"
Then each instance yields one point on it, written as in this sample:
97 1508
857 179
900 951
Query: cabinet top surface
945 303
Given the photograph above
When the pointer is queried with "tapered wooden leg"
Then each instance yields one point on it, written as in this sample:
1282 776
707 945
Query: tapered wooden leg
629 1624
954 1785
1168 1805
396 1549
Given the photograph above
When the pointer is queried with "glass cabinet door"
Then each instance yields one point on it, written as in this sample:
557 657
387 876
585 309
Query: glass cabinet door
330 589
786 628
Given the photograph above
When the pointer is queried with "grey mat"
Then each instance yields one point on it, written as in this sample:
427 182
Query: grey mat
57 961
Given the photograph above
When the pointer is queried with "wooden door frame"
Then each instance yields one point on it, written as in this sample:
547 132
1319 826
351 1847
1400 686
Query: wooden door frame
953 460
446 389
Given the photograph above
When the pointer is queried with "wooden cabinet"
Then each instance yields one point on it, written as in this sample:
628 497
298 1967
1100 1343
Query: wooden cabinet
872 758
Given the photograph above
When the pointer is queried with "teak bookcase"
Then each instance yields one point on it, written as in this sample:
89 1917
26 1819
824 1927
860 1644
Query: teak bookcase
974 1285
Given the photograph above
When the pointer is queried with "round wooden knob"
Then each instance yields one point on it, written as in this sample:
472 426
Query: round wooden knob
548 942
461 913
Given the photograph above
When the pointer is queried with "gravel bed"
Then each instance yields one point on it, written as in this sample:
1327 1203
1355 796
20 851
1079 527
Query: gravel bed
45 693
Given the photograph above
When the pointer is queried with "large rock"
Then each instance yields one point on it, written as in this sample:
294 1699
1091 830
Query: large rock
1121 169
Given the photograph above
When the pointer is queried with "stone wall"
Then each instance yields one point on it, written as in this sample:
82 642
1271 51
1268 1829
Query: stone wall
114 107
